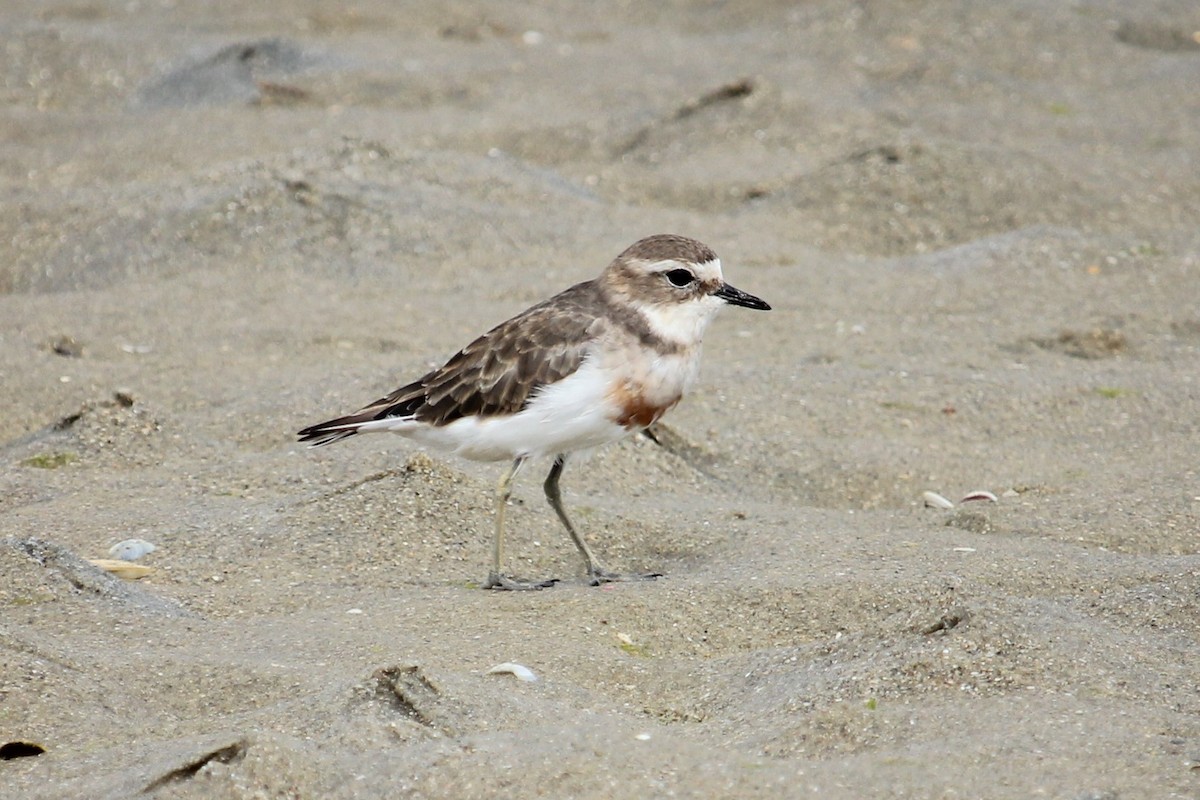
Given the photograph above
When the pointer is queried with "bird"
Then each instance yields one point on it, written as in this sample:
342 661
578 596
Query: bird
599 361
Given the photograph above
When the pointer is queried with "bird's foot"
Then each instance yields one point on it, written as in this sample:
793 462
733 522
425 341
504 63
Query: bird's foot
600 575
504 583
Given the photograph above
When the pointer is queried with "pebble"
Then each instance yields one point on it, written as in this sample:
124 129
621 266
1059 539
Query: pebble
131 549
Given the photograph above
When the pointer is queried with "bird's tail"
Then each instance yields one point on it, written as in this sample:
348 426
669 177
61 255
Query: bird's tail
335 430
390 413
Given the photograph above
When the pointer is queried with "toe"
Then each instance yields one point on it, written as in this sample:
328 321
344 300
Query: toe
504 583
600 576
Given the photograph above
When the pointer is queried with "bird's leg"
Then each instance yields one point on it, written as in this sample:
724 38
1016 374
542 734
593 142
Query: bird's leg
597 574
496 578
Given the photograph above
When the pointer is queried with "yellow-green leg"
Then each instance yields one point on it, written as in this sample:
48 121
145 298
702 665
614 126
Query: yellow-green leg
496 578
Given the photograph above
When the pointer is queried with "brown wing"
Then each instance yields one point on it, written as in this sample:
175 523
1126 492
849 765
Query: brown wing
498 373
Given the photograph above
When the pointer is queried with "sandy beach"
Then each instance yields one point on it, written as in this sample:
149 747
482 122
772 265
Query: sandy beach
978 225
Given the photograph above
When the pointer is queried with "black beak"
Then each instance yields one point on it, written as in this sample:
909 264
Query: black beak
739 298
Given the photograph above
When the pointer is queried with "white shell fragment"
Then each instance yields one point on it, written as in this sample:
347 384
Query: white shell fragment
131 549
935 500
979 495
522 673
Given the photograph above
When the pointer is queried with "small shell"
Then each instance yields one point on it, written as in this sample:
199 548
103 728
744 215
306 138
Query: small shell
122 569
979 495
131 549
935 500
522 673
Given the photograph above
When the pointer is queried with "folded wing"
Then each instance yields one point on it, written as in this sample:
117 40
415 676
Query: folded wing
498 373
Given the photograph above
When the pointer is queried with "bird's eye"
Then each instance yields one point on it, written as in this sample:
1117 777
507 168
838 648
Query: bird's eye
680 277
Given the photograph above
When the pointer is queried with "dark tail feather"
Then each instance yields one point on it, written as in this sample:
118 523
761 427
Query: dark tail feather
402 403
332 430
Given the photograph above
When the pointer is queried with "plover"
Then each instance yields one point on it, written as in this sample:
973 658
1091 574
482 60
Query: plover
591 365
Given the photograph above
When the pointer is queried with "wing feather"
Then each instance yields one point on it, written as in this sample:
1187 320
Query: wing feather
498 373
501 371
